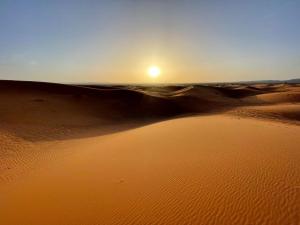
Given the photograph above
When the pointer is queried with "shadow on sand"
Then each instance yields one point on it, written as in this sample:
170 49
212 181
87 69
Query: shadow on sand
37 111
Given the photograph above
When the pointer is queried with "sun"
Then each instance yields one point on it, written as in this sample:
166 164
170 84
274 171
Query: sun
153 71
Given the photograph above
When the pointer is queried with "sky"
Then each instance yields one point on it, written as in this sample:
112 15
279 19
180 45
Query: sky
115 41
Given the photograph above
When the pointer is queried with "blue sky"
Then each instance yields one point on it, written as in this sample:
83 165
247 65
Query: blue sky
116 40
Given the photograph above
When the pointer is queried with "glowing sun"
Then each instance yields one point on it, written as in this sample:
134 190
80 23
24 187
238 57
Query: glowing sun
153 71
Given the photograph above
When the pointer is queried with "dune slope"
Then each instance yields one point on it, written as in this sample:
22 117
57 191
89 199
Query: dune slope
43 111
100 154
183 171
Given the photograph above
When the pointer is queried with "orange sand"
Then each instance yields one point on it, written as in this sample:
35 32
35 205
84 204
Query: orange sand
221 168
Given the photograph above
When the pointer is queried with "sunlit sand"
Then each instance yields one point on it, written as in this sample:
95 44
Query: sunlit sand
89 155
149 112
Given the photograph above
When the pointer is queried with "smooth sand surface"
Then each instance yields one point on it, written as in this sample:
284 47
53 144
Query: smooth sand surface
79 155
205 170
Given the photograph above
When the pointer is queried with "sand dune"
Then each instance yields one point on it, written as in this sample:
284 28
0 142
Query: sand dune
53 111
173 172
91 154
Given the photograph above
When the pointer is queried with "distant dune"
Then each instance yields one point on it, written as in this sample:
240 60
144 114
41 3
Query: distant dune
174 154
57 109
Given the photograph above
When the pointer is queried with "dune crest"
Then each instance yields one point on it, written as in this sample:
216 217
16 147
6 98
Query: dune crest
39 111
182 154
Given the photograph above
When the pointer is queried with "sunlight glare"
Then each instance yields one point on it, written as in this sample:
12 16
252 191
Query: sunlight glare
153 71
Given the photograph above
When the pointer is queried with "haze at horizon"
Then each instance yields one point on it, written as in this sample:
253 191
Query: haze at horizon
115 41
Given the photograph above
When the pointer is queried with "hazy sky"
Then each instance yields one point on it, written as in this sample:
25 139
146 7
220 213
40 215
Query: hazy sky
116 40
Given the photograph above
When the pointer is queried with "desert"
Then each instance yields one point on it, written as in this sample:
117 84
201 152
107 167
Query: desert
149 154
149 112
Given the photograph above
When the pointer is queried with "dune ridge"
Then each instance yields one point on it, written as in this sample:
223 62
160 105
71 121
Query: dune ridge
39 112
133 154
58 108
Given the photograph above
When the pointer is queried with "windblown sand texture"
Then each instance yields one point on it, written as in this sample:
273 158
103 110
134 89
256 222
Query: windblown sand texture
101 155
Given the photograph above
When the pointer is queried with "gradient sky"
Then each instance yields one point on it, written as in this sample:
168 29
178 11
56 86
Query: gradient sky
116 40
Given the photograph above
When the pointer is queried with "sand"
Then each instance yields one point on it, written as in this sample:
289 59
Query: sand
186 155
